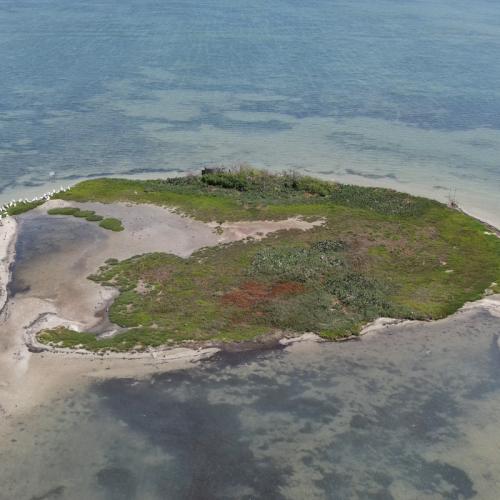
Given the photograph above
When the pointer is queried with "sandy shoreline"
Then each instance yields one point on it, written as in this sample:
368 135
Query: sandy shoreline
470 200
8 234
51 373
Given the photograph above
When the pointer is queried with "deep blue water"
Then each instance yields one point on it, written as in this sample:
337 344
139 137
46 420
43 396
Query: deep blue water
385 91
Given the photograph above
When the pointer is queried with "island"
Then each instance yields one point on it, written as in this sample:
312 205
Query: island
244 256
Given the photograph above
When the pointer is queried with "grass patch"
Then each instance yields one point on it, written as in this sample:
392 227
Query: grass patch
89 215
63 211
24 206
380 253
94 218
84 214
111 224
246 194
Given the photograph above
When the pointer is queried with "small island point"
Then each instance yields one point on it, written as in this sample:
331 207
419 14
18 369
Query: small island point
284 255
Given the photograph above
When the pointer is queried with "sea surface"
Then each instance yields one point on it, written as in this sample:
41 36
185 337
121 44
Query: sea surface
387 92
411 413
395 93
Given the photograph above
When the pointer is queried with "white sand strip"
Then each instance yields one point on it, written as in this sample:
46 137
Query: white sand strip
8 232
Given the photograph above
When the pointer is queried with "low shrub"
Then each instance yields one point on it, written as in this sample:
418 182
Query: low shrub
112 224
89 215
63 211
94 217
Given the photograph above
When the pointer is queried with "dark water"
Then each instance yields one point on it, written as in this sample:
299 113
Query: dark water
46 249
388 91
409 414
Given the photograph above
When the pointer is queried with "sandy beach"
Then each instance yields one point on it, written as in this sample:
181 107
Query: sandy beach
8 230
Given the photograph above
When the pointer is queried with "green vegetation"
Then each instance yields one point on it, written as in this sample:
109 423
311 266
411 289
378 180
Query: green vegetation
94 218
379 253
111 224
249 194
84 214
23 206
89 215
63 211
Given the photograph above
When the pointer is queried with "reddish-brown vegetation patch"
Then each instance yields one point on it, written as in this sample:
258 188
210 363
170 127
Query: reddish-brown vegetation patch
252 293
286 288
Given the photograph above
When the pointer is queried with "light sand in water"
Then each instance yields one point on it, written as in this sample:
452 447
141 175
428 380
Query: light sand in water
61 294
8 228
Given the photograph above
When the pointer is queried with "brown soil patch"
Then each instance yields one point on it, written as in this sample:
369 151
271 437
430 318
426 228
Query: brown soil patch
252 293
141 287
286 288
158 275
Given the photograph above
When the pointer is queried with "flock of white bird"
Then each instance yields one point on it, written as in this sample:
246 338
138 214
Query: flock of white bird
4 209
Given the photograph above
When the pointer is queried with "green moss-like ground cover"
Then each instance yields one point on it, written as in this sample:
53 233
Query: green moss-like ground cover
24 206
89 215
111 224
379 253
248 194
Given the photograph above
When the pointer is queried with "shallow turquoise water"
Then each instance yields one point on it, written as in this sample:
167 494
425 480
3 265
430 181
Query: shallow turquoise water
375 91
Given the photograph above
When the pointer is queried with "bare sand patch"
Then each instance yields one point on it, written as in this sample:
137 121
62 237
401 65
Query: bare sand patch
233 231
150 228
8 231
